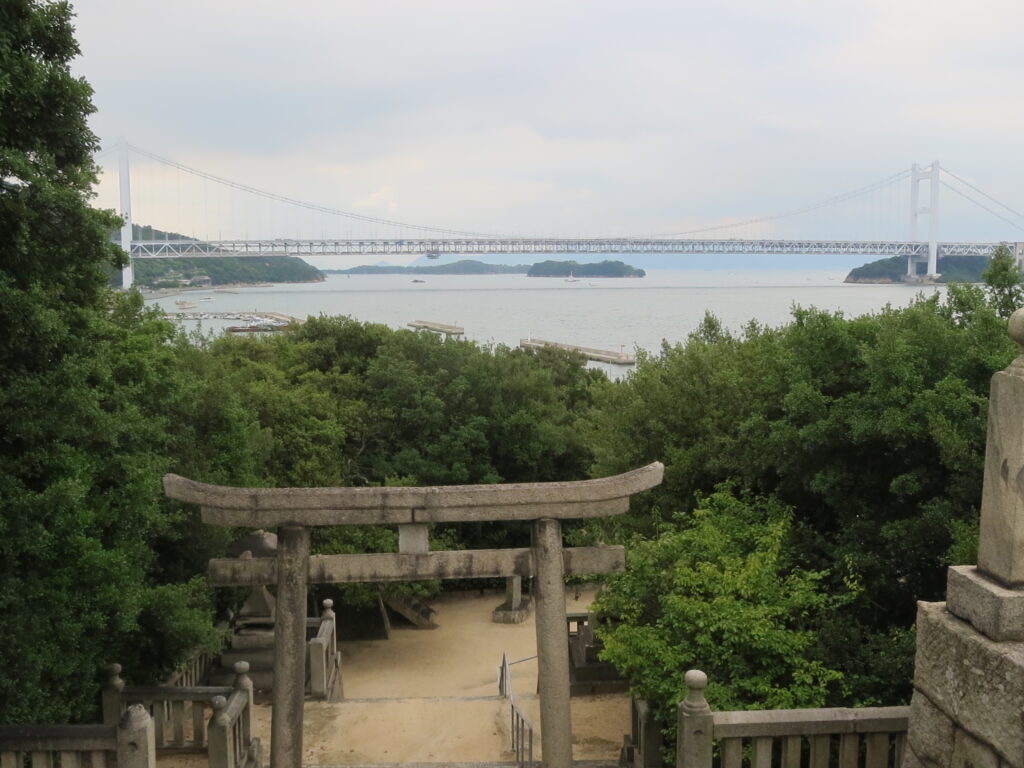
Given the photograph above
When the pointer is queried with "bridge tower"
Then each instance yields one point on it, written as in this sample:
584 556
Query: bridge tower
917 175
125 187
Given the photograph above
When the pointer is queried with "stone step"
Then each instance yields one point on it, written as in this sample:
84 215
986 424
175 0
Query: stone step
416 611
258 658
262 638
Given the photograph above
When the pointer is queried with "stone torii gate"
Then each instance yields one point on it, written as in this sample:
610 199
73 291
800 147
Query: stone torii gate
292 510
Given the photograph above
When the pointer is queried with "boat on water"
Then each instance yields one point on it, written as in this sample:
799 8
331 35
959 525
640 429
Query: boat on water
570 278
419 281
182 304
206 298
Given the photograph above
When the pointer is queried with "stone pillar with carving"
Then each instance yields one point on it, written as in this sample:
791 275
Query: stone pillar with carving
969 668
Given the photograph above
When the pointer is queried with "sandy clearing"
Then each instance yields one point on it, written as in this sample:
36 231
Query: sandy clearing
431 695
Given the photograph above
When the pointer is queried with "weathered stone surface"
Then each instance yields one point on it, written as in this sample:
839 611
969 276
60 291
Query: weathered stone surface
414 539
289 648
271 507
930 735
389 566
1001 539
968 752
552 646
976 682
992 609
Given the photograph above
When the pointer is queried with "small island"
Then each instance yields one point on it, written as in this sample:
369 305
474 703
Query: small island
575 269
952 269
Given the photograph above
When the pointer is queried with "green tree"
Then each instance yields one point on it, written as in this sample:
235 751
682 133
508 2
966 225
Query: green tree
1002 279
85 379
718 590
871 429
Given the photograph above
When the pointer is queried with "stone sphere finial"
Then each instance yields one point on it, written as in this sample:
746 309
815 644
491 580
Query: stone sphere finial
1016 327
220 705
695 703
696 680
114 679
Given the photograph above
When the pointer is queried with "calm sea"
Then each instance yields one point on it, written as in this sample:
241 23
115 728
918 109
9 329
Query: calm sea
605 313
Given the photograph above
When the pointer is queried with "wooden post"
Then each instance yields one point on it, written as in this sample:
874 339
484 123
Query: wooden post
552 645
289 647
136 742
696 724
111 697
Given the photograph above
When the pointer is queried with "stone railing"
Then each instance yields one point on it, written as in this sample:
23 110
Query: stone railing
127 744
872 737
642 746
178 716
232 744
323 662
522 729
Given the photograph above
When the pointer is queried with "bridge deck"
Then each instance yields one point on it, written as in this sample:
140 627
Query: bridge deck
162 249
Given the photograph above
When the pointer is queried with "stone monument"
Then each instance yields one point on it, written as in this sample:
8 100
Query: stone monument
969 671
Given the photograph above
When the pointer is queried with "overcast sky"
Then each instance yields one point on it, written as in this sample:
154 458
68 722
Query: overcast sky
566 116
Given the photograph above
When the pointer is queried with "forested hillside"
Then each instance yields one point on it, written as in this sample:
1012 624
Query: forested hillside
160 273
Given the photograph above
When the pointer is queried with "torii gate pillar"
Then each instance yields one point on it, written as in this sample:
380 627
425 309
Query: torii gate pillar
289 647
552 644
290 510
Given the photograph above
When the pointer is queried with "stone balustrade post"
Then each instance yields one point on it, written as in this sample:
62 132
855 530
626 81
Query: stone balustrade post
696 724
111 696
136 739
220 745
328 615
244 683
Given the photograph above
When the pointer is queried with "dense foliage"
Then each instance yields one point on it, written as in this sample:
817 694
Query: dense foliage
870 430
83 401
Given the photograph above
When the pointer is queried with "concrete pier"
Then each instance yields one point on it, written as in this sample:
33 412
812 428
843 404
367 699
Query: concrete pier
597 355
429 325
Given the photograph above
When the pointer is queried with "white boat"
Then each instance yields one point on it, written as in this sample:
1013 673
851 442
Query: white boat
570 278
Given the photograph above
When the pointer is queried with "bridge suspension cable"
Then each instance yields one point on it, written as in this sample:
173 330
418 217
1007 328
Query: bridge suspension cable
967 197
868 188
301 203
983 193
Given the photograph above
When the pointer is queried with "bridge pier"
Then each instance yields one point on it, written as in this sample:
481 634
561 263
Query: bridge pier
931 175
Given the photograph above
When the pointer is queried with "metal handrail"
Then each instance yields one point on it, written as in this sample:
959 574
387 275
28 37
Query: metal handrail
522 728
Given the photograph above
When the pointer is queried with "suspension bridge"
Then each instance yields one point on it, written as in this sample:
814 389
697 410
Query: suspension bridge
905 206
